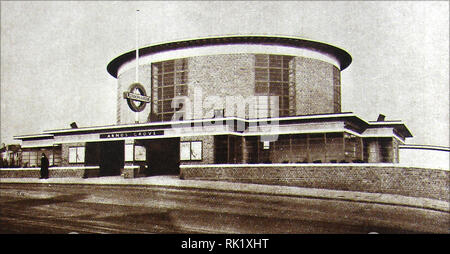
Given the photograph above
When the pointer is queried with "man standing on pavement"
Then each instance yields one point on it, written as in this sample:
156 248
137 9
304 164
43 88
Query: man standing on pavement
44 166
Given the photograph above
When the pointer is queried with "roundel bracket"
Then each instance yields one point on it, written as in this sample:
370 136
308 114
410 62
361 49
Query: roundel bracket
136 97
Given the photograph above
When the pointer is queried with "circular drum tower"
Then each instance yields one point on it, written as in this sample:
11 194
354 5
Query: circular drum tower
304 75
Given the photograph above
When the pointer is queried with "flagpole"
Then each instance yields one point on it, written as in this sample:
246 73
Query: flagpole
137 47
137 59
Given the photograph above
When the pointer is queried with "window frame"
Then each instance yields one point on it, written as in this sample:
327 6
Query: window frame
272 79
169 80
78 160
190 150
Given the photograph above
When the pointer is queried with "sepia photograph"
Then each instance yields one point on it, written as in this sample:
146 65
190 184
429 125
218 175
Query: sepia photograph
198 118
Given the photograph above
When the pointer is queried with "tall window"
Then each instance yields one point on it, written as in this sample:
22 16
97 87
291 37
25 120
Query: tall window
30 158
227 149
272 78
169 80
305 148
56 156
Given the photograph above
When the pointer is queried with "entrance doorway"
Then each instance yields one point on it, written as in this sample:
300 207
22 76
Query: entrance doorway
111 157
162 156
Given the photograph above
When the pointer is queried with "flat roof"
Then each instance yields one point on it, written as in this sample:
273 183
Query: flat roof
183 122
399 125
425 147
34 136
49 134
341 55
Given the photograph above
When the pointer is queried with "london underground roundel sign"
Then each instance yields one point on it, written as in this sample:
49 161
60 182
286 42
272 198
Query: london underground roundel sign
136 97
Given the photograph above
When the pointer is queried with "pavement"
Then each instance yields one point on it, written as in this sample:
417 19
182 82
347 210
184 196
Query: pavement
175 182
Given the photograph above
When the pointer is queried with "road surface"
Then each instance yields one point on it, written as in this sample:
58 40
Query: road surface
66 208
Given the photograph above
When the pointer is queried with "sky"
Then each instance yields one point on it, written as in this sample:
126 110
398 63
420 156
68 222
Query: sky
54 55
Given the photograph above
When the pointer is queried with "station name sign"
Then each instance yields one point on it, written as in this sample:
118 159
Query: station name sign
136 97
131 134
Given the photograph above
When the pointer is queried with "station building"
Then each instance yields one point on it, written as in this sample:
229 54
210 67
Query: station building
243 100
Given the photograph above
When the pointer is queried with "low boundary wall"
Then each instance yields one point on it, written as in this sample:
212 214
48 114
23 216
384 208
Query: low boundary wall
375 178
81 172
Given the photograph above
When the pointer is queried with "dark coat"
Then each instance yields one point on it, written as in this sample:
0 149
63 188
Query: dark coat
44 167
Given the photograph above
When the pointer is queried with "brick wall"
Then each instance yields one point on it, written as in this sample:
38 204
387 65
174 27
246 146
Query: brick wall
20 173
54 172
416 182
337 89
314 86
207 149
124 113
222 75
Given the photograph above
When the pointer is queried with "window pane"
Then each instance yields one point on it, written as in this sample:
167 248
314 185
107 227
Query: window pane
157 67
57 157
33 162
26 159
129 152
284 113
159 79
261 88
261 74
284 103
285 75
181 64
168 66
167 105
263 101
275 61
181 77
185 151
275 89
168 79
261 60
286 60
80 154
196 150
262 107
72 154
168 92
160 106
167 117
285 89
160 92
181 91
275 74
139 153
50 159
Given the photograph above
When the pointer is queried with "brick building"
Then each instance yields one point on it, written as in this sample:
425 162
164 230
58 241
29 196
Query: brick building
243 100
